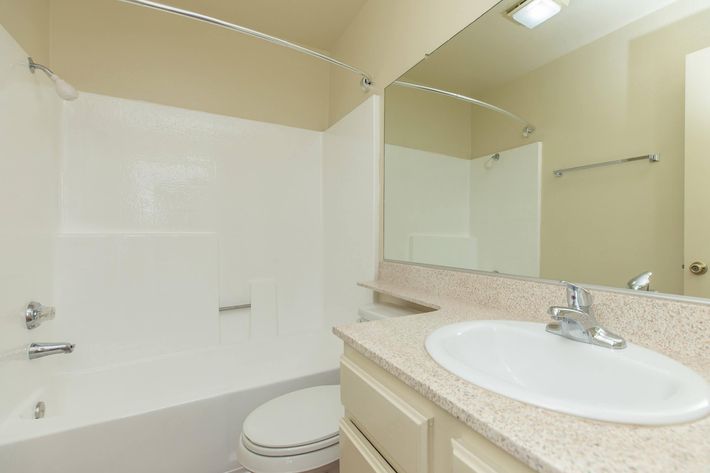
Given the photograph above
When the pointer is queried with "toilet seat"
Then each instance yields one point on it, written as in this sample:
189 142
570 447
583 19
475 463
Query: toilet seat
324 460
288 451
296 432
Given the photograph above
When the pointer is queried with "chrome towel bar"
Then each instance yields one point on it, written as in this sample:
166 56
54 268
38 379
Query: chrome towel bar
652 158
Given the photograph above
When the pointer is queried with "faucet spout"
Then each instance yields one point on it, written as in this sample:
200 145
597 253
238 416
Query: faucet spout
577 322
40 350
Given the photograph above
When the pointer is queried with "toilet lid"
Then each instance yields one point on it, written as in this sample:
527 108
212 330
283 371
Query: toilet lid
295 419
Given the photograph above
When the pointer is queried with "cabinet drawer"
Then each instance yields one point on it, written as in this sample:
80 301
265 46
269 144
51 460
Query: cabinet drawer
396 429
485 458
466 462
356 453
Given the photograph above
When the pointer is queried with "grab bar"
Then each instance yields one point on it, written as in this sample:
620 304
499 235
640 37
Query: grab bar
235 307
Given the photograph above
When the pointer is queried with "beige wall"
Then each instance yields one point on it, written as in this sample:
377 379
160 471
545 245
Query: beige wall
621 96
389 37
28 22
112 48
107 47
427 122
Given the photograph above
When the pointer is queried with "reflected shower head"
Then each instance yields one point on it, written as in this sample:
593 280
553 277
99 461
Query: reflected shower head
64 89
491 161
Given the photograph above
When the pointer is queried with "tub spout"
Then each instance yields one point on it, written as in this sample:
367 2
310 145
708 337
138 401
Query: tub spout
39 350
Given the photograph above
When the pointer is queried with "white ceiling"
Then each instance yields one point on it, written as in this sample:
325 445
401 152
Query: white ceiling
495 50
314 23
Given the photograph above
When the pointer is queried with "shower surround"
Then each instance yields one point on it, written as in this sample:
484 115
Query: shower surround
143 219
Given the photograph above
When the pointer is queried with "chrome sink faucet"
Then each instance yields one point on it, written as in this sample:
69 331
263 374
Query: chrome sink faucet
577 322
39 350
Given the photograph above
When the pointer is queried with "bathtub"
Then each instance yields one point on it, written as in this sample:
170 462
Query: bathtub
178 413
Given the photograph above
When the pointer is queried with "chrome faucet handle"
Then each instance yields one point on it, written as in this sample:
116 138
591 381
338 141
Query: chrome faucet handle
642 282
36 313
578 297
577 322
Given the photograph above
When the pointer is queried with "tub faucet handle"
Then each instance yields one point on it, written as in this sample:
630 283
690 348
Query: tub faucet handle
36 313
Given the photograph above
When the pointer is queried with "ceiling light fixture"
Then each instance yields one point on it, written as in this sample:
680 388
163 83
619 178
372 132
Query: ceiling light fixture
532 13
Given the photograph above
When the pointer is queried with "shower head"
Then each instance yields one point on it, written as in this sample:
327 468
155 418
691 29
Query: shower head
491 161
64 89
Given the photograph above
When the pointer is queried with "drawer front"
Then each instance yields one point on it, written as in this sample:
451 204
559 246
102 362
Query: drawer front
483 457
356 453
398 431
466 462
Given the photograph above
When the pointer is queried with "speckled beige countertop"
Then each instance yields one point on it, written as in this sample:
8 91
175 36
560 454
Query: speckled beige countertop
547 441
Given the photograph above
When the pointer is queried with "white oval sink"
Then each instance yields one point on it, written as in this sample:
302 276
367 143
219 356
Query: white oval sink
522 361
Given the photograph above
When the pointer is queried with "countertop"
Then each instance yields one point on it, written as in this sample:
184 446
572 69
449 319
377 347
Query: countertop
547 441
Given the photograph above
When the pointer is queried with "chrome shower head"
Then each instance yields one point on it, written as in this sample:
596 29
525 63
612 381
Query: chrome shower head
64 89
491 161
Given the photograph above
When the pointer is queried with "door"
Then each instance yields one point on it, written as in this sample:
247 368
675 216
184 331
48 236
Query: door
697 173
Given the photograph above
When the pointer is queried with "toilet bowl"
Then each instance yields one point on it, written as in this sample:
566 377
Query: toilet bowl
298 432
293 433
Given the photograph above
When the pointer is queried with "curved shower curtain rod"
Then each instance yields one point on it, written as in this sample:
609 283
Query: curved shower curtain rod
528 129
365 81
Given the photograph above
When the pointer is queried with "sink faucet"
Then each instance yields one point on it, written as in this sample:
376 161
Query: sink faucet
577 322
39 350
642 282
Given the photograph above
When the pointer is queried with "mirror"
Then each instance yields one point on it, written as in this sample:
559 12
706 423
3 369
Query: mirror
614 179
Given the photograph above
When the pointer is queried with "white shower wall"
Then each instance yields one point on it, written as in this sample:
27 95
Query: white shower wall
137 221
505 207
167 213
426 206
448 211
351 209
29 213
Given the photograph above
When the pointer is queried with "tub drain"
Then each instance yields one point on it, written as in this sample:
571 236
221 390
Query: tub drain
39 409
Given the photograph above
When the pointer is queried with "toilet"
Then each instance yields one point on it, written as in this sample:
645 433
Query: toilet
298 432
293 433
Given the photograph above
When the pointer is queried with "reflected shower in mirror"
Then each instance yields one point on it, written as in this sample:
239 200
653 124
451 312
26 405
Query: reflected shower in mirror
607 183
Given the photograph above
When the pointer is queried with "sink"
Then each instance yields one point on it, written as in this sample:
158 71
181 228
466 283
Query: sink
522 361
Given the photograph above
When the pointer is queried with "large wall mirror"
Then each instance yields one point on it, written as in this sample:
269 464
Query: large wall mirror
577 149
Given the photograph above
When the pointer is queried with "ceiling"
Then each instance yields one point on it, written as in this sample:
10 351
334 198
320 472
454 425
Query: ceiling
494 50
314 23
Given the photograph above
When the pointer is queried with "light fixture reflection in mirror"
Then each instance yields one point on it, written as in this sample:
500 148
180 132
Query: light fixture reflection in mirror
532 13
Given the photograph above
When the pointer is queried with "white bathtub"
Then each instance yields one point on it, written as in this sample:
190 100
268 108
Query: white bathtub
179 413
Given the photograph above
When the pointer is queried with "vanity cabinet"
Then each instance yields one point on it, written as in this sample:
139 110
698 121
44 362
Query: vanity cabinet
390 428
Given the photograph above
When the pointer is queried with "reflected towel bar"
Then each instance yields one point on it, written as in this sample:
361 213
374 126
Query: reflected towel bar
235 307
652 158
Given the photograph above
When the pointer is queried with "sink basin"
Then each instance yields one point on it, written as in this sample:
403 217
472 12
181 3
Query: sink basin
522 361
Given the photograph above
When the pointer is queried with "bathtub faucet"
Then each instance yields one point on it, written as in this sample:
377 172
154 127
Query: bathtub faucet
39 350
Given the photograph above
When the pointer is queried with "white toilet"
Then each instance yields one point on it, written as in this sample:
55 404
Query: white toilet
294 433
298 432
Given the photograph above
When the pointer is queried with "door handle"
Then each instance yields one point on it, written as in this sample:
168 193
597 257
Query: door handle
698 268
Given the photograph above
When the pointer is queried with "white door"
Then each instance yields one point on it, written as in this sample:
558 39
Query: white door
697 173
